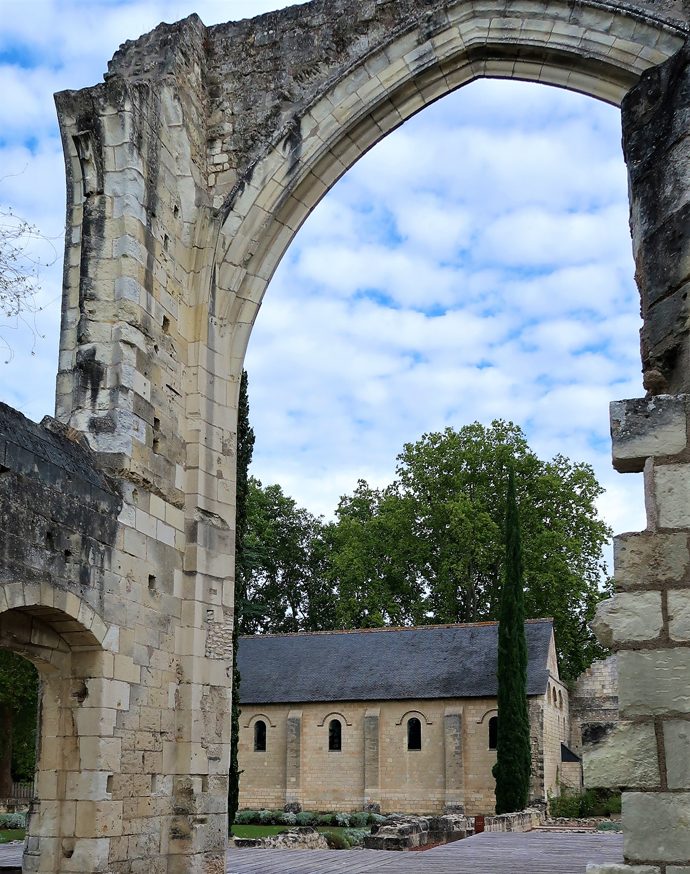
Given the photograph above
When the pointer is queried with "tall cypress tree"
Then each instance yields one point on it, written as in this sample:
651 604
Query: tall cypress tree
245 448
513 758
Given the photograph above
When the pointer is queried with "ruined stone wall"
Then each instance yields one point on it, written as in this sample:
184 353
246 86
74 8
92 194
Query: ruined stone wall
189 171
646 620
59 538
594 703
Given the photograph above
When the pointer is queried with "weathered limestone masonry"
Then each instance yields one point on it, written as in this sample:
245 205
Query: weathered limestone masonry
59 534
189 171
594 703
648 620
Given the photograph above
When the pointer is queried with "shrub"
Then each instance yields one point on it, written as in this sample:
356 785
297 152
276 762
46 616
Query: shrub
609 826
270 817
336 841
355 836
326 819
306 817
592 802
566 805
376 818
246 817
613 804
288 818
359 819
12 820
342 820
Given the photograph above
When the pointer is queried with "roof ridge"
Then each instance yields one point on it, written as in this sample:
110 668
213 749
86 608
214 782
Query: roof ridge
388 628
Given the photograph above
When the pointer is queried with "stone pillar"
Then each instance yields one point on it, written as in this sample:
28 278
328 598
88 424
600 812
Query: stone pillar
648 623
372 785
648 620
656 123
293 758
454 771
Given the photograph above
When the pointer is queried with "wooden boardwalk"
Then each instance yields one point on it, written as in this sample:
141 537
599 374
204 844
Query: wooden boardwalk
488 853
530 853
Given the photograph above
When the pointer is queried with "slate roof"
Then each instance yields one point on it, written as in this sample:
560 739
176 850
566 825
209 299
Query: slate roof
435 661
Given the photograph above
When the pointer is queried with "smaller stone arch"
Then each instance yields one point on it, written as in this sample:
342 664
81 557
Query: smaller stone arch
62 637
418 713
79 624
491 711
334 714
252 719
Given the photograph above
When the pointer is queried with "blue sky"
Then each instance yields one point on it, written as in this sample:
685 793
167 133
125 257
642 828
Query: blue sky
475 264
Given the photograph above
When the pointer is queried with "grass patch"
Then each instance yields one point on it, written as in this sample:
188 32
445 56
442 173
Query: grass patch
11 834
257 831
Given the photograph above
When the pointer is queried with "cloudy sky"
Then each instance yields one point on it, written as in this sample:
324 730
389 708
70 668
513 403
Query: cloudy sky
475 264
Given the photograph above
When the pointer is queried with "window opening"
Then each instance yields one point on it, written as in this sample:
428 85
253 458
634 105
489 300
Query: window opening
335 736
260 736
414 734
493 733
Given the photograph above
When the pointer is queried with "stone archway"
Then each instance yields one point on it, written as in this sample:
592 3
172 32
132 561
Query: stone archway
72 807
191 168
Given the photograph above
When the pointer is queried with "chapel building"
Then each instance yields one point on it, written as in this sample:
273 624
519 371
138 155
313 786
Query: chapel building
395 719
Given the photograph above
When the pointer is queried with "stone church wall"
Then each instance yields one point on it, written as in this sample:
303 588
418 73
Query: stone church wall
374 767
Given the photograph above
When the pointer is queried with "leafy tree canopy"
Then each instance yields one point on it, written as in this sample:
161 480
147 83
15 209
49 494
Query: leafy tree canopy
429 548
284 557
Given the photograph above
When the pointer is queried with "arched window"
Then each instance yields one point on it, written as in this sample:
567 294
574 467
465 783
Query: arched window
560 700
493 732
414 733
335 736
555 702
260 736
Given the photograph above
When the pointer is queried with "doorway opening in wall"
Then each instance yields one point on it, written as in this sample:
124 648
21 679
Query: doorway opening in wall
474 267
19 705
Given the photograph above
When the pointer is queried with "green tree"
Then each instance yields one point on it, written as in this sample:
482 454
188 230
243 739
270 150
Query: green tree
430 547
287 587
372 561
245 449
513 759
18 703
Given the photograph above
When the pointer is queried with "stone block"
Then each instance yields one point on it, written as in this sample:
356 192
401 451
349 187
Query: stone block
679 614
647 427
654 682
655 826
671 495
627 756
677 748
650 558
628 617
